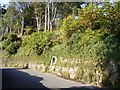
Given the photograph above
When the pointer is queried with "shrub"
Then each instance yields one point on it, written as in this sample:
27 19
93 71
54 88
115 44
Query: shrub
71 25
12 47
99 53
38 42
11 44
57 51
28 30
3 37
12 37
56 38
105 18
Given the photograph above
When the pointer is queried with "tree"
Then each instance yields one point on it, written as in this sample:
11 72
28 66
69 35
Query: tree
45 27
25 10
9 17
54 9
38 12
112 17
48 14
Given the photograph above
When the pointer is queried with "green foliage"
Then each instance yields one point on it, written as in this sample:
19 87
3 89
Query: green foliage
57 51
112 18
56 38
105 18
66 75
3 37
11 43
12 47
84 42
38 42
71 25
90 43
102 50
25 55
12 37
28 30
86 17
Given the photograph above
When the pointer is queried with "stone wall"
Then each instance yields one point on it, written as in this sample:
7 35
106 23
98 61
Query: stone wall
67 72
58 66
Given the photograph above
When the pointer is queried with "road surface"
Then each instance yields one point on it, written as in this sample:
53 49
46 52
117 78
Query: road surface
25 78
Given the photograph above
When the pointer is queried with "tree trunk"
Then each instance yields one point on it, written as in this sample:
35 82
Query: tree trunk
37 23
54 10
18 28
48 15
22 25
10 29
51 18
7 30
18 31
10 25
45 19
2 32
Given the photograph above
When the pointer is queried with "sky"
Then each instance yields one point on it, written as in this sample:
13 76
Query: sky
4 1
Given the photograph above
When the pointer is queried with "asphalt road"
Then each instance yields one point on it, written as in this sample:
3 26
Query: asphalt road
25 78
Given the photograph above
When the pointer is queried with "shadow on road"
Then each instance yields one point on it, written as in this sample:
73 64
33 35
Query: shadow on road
13 78
16 78
82 88
87 88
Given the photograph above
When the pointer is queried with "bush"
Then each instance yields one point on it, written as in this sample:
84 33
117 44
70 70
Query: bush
56 38
12 47
38 42
11 43
59 51
28 30
71 25
2 38
105 18
99 53
12 37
